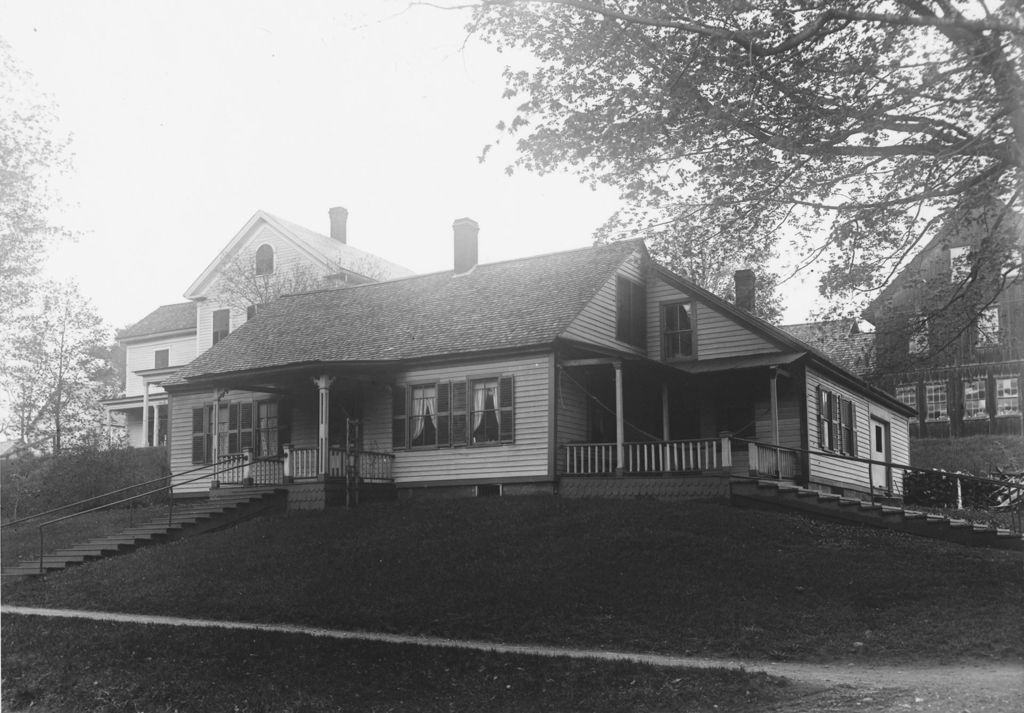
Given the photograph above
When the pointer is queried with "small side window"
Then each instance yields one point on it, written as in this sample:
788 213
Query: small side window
161 358
265 260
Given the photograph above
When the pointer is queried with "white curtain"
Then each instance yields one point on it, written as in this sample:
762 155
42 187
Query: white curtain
422 405
485 398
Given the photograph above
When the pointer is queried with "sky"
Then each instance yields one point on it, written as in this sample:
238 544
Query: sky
187 117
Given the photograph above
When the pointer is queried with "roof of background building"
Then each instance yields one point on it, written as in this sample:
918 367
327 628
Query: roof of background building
179 317
839 340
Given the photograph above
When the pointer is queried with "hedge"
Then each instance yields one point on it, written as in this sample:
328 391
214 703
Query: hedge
39 483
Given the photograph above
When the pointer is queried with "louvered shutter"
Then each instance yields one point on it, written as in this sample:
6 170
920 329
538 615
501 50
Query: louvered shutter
850 428
233 446
245 425
834 423
444 415
460 425
398 429
822 416
199 435
506 406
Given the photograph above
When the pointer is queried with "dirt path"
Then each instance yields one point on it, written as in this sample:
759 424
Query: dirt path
975 688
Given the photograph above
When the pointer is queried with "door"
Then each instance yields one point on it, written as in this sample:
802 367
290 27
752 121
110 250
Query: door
881 473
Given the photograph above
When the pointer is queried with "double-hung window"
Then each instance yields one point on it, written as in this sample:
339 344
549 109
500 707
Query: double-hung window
677 331
1007 396
837 424
936 403
202 434
987 327
975 403
423 419
221 324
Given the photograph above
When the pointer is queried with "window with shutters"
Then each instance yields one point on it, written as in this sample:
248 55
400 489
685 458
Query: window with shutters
837 423
202 434
221 324
630 312
452 414
235 427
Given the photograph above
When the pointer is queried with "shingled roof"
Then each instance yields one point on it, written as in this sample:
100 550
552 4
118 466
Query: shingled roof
514 304
179 317
840 341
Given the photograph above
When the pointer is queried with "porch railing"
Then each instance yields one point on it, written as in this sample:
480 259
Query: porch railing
301 464
773 461
649 457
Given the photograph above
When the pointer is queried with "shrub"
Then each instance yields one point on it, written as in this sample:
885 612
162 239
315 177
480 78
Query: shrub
36 484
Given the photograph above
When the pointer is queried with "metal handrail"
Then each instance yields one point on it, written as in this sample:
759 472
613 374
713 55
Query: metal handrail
169 486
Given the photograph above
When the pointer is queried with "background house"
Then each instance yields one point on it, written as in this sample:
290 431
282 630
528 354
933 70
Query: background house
269 256
950 328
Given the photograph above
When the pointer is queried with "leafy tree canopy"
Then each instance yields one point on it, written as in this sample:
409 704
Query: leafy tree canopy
840 132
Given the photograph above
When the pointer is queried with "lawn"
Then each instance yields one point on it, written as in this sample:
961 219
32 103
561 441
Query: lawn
87 666
685 578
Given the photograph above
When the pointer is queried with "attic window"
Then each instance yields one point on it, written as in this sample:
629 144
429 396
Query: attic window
265 260
959 264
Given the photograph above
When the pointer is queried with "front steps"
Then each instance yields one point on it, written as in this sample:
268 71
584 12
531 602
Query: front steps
777 495
188 519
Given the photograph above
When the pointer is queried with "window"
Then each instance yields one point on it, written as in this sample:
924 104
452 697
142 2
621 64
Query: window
974 398
630 312
918 343
837 424
423 420
234 427
987 327
264 260
221 324
456 413
1007 396
677 331
935 403
907 393
161 358
268 429
959 263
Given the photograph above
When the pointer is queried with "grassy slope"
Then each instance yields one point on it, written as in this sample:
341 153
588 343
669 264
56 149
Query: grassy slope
671 577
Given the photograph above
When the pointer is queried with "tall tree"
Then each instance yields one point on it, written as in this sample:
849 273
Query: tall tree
844 132
30 157
58 371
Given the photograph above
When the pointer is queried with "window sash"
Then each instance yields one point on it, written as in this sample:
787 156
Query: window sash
936 402
907 394
975 401
1007 396
677 330
221 324
161 358
423 416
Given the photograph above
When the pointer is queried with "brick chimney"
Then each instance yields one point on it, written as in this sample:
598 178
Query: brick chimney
745 289
466 230
339 223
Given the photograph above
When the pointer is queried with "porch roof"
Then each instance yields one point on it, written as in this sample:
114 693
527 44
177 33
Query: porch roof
180 317
509 305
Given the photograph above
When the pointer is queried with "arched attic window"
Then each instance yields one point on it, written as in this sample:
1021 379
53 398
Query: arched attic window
264 260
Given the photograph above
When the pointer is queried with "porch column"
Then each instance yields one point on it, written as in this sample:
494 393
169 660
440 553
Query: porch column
774 384
620 424
145 413
323 384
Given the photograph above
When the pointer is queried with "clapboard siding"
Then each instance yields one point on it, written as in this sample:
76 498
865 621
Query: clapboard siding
830 469
595 324
527 457
142 355
789 421
720 336
289 261
181 406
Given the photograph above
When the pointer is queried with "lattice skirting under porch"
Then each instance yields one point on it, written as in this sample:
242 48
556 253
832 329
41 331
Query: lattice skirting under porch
669 487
